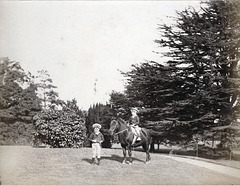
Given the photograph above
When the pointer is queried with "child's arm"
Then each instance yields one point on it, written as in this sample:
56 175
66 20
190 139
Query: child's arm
91 138
102 138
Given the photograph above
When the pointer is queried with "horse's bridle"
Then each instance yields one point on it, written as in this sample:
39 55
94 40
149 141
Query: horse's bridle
120 131
114 127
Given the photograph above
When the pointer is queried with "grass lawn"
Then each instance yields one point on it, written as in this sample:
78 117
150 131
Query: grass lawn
42 166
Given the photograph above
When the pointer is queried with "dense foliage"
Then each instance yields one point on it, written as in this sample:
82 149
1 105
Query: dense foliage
207 44
60 128
193 96
18 104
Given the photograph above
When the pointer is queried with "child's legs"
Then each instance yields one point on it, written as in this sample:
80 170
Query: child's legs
137 131
94 150
134 130
98 150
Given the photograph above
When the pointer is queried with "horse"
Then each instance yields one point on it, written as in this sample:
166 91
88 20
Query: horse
120 127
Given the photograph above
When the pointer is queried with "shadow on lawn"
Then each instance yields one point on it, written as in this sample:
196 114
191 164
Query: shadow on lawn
112 158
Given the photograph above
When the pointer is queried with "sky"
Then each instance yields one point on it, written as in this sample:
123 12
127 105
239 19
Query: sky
84 44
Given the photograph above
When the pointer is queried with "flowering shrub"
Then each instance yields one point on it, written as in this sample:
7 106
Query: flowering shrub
60 128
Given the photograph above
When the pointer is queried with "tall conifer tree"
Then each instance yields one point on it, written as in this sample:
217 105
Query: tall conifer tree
196 91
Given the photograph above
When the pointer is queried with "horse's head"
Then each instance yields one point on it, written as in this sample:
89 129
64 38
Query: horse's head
114 127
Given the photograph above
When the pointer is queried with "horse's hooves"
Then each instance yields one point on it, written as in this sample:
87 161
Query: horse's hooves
130 163
147 162
124 162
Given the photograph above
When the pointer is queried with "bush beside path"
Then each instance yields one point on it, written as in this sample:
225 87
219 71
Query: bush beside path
65 166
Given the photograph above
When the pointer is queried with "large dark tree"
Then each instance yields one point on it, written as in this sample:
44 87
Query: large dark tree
195 92
207 43
18 103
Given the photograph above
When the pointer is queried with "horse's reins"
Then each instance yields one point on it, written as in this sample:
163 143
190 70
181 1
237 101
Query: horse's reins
121 131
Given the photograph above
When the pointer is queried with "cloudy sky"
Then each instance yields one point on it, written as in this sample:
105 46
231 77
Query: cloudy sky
81 43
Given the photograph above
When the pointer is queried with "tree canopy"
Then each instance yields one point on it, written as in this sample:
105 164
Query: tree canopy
18 103
195 92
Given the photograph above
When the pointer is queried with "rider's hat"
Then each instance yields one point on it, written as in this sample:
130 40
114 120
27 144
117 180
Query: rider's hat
96 125
134 109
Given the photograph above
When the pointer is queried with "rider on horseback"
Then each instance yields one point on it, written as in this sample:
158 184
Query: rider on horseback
134 122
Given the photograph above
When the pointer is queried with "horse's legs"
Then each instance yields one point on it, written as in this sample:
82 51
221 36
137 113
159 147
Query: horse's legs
147 153
130 154
124 155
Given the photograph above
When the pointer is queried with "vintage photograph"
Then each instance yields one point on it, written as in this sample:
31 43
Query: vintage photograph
120 92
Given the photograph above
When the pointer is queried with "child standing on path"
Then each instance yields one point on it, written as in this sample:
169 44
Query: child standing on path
96 138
